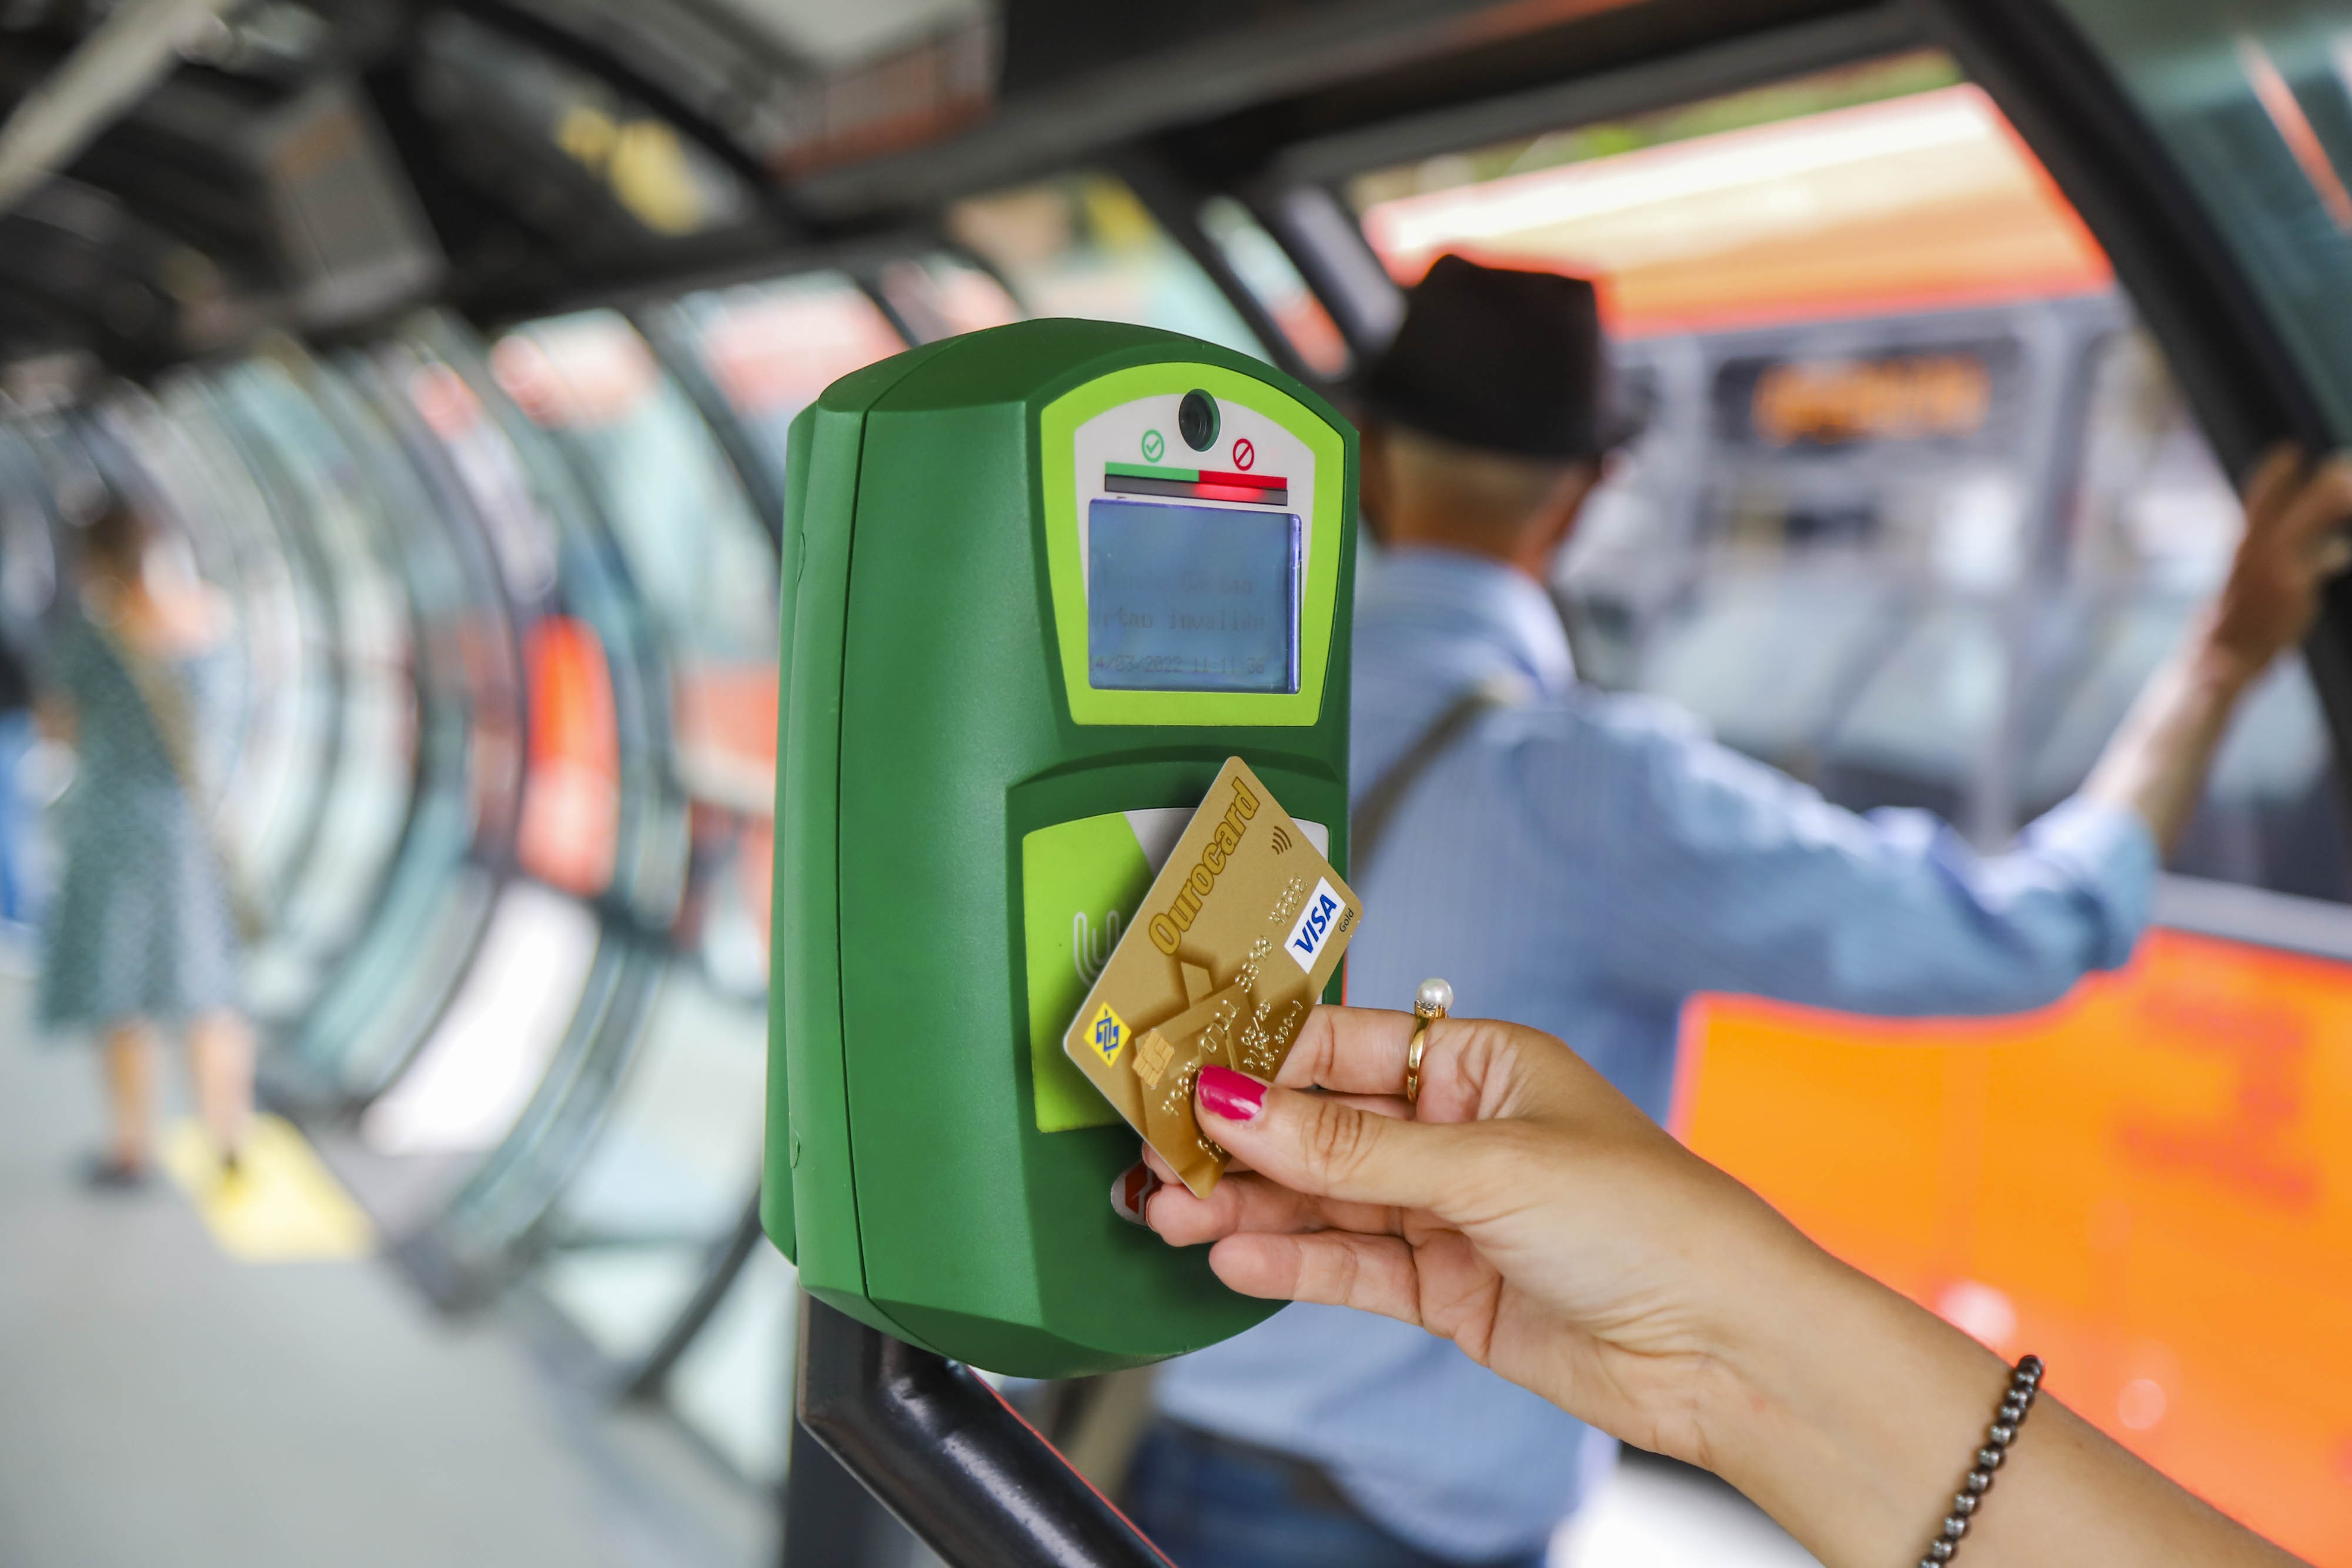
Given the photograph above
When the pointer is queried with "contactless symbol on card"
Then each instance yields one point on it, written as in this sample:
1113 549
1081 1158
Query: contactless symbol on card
1190 982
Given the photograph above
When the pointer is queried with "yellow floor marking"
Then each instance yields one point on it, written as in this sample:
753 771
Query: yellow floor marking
282 1203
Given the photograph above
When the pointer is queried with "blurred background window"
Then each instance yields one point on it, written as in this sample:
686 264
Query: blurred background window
1874 187
334 515
774 347
1083 244
1265 270
1916 507
939 295
694 548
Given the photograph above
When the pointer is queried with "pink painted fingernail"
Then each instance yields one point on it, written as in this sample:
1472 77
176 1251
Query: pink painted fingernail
1131 1190
1235 1096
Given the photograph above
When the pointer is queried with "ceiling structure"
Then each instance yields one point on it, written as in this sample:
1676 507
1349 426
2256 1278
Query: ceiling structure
178 175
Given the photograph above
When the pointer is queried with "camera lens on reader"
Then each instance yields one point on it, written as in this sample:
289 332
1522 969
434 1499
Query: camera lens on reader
1196 420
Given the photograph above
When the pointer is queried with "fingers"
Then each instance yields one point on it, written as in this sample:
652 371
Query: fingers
1244 1204
1360 1053
1472 1068
1159 1166
1371 1273
1215 1216
1324 1147
2320 504
1357 1050
2271 482
1235 1205
2299 504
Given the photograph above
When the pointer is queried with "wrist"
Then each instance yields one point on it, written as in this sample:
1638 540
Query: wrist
2220 666
1848 1412
1767 1347
1763 1336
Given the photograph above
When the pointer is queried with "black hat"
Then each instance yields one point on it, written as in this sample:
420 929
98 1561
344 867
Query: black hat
1501 359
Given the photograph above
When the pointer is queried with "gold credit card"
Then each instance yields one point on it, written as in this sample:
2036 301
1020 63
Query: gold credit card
1237 937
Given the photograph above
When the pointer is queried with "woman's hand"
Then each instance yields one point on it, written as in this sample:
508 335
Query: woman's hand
1524 1209
1527 1211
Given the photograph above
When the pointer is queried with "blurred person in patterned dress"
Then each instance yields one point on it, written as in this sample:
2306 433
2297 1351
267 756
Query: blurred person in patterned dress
143 932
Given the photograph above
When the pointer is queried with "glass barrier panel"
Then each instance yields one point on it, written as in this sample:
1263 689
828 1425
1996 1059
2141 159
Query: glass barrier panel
772 347
2253 102
734 1384
635 1227
371 788
695 551
940 296
1267 270
602 738
494 1043
2150 535
468 733
572 812
523 1064
1083 244
632 1164
571 818
548 984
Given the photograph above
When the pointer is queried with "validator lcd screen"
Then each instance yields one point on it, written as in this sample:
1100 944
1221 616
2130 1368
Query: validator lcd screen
1191 599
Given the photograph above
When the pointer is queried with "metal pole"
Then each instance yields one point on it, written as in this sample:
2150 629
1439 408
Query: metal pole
944 1452
833 1521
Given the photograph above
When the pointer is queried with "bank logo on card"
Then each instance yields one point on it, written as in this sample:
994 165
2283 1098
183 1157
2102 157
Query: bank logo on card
1107 1034
1314 925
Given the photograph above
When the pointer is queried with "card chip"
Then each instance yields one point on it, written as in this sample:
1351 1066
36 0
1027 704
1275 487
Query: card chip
1108 1032
1151 1057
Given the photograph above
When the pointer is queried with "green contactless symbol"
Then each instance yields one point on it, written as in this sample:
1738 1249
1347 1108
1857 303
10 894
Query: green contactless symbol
1155 445
1081 884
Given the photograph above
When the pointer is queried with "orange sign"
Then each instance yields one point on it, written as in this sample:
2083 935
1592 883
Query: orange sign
571 807
2150 1185
1906 399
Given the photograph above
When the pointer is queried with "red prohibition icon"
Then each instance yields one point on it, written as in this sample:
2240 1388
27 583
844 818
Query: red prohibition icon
1244 453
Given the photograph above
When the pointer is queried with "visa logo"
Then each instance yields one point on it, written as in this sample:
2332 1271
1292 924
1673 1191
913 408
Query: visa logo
1315 924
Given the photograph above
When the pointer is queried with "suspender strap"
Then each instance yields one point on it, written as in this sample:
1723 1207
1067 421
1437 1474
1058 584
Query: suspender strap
1369 823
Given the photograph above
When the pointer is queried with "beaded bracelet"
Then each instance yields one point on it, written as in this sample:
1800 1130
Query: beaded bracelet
2014 1404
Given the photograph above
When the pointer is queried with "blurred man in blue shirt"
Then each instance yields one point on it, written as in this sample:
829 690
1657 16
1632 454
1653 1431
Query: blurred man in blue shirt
1583 863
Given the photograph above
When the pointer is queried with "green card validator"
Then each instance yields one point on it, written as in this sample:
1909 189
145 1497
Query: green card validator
1039 583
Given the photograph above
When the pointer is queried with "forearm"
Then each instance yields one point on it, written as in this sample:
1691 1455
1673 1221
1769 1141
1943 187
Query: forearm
1853 1415
2157 763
